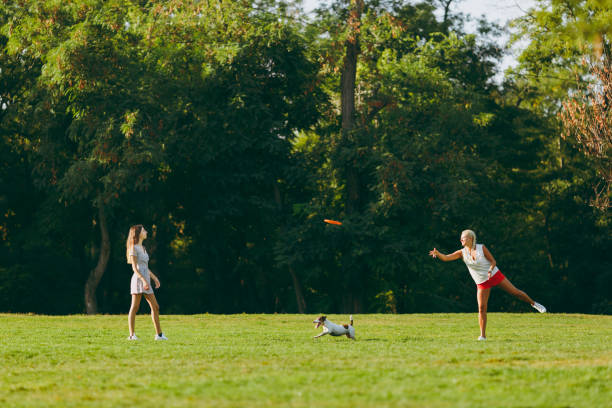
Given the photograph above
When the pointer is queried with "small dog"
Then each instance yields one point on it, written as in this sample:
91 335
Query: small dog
335 329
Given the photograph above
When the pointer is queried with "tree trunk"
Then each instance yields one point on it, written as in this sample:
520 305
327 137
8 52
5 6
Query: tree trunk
349 70
299 295
347 102
446 4
350 303
91 304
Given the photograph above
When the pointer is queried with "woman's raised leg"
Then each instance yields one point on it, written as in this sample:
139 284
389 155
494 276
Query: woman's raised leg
511 289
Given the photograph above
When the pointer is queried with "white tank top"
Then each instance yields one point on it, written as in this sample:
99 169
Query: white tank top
479 267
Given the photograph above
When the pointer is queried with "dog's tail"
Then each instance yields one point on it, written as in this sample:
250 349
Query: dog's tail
351 319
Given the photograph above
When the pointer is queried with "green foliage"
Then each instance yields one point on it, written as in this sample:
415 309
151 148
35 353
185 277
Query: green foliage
560 35
219 128
422 150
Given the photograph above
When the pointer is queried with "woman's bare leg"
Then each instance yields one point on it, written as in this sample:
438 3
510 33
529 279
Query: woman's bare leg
511 289
482 295
154 311
133 310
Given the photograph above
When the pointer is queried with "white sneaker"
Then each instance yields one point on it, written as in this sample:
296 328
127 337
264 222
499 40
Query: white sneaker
539 307
162 337
132 337
480 338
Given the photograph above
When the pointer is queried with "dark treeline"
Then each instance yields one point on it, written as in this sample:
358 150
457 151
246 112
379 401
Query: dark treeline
231 129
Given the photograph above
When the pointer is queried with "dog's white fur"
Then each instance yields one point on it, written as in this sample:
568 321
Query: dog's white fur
335 329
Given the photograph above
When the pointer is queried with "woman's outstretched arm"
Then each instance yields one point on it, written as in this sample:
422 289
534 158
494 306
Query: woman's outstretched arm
452 257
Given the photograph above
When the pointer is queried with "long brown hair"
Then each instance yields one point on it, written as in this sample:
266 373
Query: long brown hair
132 239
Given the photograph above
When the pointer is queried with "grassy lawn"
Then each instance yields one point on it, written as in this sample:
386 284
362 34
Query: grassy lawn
430 360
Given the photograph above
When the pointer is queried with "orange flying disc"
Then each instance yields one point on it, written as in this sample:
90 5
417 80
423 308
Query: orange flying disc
333 222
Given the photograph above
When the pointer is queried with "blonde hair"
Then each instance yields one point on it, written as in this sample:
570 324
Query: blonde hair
472 235
132 239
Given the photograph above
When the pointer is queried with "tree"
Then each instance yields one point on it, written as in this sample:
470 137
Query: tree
563 35
202 99
232 131
411 96
551 80
587 116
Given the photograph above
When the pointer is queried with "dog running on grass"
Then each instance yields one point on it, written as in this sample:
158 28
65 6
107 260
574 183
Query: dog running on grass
335 329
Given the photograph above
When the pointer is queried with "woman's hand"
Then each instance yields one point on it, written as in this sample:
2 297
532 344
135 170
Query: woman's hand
145 284
437 254
157 284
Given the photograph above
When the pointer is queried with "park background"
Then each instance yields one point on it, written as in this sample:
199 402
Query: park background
231 129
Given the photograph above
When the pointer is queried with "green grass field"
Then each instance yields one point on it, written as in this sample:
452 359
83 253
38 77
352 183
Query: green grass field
427 360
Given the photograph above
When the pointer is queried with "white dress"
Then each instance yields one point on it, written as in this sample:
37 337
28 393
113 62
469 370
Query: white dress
142 259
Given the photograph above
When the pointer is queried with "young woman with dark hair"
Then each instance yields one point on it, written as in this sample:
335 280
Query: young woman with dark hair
141 280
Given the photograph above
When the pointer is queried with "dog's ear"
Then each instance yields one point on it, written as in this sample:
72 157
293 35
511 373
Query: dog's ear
323 318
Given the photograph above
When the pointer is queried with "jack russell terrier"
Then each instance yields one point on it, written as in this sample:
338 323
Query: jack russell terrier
335 329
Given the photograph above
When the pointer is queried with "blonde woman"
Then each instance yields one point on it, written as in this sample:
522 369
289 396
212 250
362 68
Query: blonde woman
141 280
484 271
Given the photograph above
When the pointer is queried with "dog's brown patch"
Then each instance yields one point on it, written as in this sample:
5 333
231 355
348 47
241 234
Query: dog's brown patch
319 321
345 326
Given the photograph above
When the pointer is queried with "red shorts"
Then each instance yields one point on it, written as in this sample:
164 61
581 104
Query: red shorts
494 281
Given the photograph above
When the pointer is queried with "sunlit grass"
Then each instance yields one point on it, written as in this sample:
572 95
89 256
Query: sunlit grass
432 360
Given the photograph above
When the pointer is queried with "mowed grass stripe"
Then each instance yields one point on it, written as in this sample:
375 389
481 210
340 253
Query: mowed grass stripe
424 360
